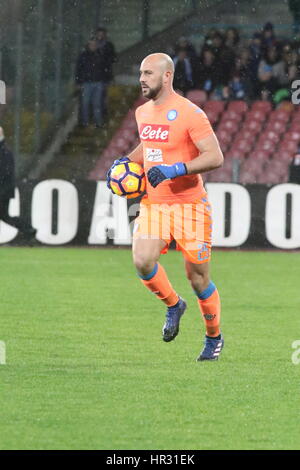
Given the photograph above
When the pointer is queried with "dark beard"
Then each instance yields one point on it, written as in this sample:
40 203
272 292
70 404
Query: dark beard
153 92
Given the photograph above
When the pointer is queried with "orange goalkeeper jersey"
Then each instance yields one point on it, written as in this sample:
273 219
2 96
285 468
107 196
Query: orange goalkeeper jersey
168 133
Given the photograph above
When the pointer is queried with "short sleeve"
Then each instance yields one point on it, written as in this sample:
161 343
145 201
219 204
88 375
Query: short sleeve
198 124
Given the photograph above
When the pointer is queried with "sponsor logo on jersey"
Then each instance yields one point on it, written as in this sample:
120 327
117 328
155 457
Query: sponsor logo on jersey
154 132
154 155
172 114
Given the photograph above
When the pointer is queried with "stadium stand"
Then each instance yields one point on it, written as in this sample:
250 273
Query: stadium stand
262 140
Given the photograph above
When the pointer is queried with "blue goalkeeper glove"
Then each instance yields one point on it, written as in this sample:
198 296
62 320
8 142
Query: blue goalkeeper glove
159 173
116 162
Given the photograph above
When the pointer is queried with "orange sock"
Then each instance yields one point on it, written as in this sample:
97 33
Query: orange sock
158 283
210 307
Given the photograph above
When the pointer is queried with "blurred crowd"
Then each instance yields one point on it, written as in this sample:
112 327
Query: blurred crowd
228 67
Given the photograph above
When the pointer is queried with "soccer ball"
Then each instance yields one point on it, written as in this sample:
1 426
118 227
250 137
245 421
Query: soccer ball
127 179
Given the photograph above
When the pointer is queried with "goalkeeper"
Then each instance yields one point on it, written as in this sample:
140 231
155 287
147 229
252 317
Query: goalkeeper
177 145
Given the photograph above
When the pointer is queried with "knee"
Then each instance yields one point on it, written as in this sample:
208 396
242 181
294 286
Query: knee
199 282
144 264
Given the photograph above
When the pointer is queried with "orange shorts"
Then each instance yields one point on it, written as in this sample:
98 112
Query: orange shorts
189 224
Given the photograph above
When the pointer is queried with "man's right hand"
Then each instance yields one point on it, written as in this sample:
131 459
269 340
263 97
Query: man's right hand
116 162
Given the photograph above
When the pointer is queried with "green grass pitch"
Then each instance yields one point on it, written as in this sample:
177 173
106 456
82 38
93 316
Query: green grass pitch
86 366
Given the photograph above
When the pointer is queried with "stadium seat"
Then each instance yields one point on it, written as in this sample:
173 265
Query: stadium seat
267 145
296 114
239 107
224 146
269 135
221 175
289 145
269 177
212 116
247 177
216 106
294 127
246 134
268 152
231 115
256 165
230 126
198 97
224 136
262 155
293 135
227 163
250 170
274 172
279 115
284 155
265 106
256 115
235 153
253 126
242 145
276 126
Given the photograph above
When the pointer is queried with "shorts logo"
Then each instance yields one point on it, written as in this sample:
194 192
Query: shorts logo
209 316
154 155
203 252
154 132
172 114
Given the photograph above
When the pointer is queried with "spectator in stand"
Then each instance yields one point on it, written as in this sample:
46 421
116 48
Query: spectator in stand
232 38
237 89
289 74
271 73
183 74
208 74
268 38
183 43
294 6
7 191
91 77
224 55
240 84
292 64
108 54
208 40
255 50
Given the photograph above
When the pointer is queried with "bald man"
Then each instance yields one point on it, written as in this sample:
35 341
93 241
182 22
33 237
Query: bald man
177 145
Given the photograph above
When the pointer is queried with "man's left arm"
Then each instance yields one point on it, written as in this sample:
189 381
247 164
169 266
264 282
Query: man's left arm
210 158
